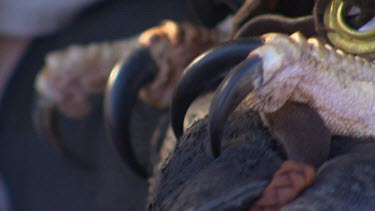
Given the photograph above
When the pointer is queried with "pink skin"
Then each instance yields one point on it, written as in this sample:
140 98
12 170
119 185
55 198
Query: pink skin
287 183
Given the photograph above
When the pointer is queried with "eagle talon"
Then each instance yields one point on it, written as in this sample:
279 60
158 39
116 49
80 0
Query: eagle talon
44 116
151 74
45 119
122 90
300 70
205 73
245 77
338 90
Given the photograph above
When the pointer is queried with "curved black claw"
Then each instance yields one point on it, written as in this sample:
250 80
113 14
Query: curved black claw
121 95
204 73
244 78
45 119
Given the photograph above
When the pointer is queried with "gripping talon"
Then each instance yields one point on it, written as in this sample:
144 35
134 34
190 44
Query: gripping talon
205 73
45 119
244 78
122 90
297 69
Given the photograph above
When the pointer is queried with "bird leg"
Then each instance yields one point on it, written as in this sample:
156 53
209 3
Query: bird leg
283 70
304 71
66 83
204 74
293 69
71 76
151 76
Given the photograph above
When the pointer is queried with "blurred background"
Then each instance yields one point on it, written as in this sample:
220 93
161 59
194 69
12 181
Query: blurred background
35 177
